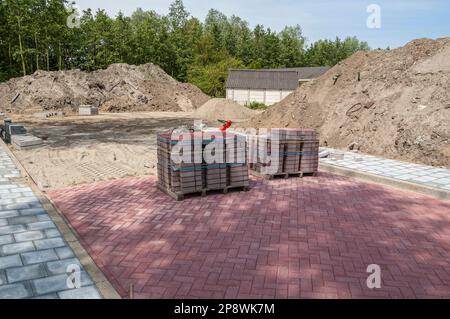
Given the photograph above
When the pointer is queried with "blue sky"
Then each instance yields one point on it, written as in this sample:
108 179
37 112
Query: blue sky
401 20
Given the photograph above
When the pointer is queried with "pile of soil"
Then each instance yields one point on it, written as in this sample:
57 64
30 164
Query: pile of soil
392 103
119 88
223 109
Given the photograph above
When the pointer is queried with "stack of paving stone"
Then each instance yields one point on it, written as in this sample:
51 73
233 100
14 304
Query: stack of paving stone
87 110
297 152
200 176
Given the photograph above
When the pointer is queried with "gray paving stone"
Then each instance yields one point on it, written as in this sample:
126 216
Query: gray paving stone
29 235
21 190
39 256
41 225
9 213
25 273
10 196
17 206
23 220
8 201
442 181
2 278
423 179
60 266
52 232
89 292
10 261
27 200
6 239
32 211
11 229
14 291
50 243
57 283
17 248
64 252
3 222
50 296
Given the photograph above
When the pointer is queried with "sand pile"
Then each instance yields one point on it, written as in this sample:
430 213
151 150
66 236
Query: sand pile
393 103
223 109
120 88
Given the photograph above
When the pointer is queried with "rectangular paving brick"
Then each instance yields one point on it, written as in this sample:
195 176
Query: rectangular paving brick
17 248
29 235
14 291
25 273
39 256
60 266
41 225
9 213
11 229
50 243
89 292
32 211
10 261
64 252
56 283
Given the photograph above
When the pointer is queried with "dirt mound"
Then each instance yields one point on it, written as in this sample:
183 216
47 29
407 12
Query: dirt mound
223 109
393 103
120 88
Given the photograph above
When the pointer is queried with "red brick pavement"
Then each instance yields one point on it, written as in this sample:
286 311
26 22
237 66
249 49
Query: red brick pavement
296 238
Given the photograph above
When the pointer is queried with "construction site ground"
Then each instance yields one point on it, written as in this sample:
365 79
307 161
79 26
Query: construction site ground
82 150
298 238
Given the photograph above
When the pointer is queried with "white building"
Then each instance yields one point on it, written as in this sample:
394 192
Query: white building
268 86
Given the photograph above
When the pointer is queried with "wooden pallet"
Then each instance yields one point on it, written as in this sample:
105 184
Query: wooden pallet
283 175
180 196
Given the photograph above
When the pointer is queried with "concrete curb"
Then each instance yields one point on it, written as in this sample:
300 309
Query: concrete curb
69 234
386 181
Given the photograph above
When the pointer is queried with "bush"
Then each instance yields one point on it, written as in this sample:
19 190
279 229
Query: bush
257 106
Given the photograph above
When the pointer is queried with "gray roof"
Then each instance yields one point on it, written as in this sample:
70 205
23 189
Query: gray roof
276 79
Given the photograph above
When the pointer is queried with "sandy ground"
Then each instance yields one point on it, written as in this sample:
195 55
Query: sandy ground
82 150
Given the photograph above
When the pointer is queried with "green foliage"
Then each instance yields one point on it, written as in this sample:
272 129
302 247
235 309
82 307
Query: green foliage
211 77
257 106
34 35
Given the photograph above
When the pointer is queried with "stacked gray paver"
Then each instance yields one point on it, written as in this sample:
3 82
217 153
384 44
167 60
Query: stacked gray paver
413 173
33 255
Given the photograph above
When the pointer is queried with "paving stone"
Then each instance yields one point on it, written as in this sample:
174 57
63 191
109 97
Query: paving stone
17 248
10 261
41 225
442 181
60 266
21 189
64 252
3 222
39 256
6 239
25 273
22 220
32 211
14 291
57 283
9 213
52 232
27 200
29 235
49 296
50 243
17 206
2 278
10 196
89 292
11 229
